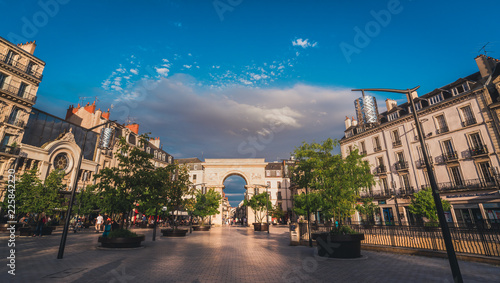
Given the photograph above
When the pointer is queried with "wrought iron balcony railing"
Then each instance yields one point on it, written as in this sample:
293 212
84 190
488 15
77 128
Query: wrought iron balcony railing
442 130
469 121
380 170
450 156
378 148
468 185
478 151
401 165
28 69
421 163
14 91
362 152
396 143
15 122
10 150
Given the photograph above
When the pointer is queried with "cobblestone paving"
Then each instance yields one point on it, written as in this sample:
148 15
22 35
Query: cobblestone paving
225 254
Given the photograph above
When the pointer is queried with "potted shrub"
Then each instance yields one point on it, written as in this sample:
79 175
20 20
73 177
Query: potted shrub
206 205
260 206
121 238
335 183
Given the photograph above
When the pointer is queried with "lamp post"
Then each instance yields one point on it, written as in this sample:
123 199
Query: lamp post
455 268
75 183
267 207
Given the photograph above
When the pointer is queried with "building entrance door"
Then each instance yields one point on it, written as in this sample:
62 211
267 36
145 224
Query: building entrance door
388 216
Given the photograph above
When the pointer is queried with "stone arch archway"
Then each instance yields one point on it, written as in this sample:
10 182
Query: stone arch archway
216 171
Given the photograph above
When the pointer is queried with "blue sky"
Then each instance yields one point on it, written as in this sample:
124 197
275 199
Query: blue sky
241 78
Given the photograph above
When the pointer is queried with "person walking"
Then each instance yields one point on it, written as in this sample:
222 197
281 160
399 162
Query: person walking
98 223
41 220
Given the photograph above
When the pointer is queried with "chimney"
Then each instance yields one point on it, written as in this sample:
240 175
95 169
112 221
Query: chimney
485 65
134 128
90 108
347 122
28 46
414 95
390 103
105 115
354 122
155 142
71 110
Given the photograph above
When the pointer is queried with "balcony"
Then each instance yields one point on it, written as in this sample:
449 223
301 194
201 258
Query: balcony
469 121
479 151
451 156
362 152
14 92
21 67
10 150
380 170
376 194
421 163
15 122
442 130
396 143
469 185
407 191
377 149
401 165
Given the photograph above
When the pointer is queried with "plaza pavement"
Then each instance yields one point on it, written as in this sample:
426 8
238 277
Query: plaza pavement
225 254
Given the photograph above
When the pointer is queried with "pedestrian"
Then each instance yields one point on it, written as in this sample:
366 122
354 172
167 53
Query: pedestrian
107 228
98 223
41 220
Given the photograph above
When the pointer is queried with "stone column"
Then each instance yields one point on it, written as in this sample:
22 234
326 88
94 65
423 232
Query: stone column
483 214
453 216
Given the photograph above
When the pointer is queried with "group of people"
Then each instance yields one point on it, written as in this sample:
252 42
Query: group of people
39 221
105 226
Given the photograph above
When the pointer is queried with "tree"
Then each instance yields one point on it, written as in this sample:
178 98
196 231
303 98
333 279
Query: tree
121 187
206 204
337 180
307 202
177 187
277 212
367 208
87 201
423 204
50 198
260 205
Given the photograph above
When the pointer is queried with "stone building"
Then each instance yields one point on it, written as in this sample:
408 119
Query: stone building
20 77
461 129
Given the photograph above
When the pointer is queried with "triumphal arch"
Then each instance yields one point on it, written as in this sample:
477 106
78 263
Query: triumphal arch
252 170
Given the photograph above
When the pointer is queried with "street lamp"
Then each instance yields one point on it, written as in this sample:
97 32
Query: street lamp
455 268
75 183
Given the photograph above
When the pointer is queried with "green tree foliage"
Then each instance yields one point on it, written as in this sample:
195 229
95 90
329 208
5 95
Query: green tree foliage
311 202
260 204
367 208
277 212
33 196
206 204
121 187
423 204
337 180
88 201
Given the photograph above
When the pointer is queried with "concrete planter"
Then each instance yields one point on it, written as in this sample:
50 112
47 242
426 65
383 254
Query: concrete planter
201 228
260 226
174 233
338 246
120 243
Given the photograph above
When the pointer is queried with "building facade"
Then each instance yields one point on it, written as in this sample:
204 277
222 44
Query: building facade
461 134
20 76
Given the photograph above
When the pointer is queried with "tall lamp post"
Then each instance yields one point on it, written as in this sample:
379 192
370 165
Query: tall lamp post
75 184
267 207
455 268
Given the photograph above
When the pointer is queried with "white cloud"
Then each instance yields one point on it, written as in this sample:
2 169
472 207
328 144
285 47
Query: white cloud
134 71
304 43
187 66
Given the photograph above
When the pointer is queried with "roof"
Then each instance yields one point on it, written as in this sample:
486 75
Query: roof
189 160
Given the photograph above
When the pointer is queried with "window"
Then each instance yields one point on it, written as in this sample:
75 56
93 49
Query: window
268 184
381 163
349 150
418 106
405 181
449 152
461 88
194 178
30 70
170 159
148 150
385 187
278 173
400 156
6 141
279 185
14 115
467 116
484 169
456 176
362 146
256 191
393 116
435 99
396 140
268 173
441 124
376 143
3 77
10 57
61 161
475 141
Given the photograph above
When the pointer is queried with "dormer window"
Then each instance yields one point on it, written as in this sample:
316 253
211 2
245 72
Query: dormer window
148 150
435 99
461 88
393 116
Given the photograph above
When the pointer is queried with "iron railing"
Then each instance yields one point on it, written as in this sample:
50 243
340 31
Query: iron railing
479 150
28 69
442 130
467 185
469 121
377 148
15 122
396 143
12 90
450 156
363 152
401 165
10 150
421 163
481 240
380 170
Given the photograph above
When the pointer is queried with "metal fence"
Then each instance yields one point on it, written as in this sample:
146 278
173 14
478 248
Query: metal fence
477 240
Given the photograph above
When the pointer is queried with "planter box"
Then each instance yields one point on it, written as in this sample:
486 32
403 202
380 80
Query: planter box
120 243
201 228
338 246
260 226
174 233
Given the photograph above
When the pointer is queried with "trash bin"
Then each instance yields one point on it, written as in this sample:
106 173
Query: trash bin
294 234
